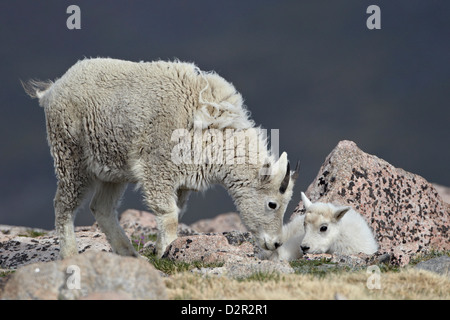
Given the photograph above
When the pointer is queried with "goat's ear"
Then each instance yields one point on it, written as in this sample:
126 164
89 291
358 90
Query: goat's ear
306 201
340 212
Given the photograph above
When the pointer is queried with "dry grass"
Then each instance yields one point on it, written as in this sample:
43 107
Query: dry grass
406 284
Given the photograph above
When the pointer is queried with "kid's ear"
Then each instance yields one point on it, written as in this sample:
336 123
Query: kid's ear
340 212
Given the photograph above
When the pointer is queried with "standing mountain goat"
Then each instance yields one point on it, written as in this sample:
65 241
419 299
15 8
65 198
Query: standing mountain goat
112 122
325 228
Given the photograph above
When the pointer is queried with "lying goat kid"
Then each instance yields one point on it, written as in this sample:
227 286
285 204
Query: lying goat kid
325 228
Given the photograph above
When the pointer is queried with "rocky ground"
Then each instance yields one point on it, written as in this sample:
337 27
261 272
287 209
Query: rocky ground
408 215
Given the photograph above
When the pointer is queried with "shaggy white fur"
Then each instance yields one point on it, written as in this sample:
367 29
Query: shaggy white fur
111 122
325 228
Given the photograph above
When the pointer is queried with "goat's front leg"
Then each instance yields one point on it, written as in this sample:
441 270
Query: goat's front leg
167 229
163 202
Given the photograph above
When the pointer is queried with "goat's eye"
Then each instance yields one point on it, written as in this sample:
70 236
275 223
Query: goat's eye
272 205
323 228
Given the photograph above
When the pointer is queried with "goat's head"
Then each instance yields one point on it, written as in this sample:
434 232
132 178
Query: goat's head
263 203
321 225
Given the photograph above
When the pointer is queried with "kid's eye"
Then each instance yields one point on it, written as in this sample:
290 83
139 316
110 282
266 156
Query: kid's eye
323 228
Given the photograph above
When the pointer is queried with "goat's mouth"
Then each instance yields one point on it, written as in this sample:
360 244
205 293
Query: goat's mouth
273 247
262 243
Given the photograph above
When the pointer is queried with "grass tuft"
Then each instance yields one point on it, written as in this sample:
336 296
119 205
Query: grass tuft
172 267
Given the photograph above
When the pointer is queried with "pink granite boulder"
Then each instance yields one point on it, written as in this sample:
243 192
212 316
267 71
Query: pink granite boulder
404 210
208 248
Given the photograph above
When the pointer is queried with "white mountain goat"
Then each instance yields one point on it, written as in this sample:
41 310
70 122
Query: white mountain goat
333 229
112 122
325 228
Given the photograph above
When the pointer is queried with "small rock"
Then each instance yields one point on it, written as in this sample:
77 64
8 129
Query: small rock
185 230
138 223
99 273
236 238
222 223
383 258
248 266
207 248
20 251
9 232
217 271
440 265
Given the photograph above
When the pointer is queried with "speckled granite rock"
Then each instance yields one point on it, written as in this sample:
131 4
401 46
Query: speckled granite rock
99 272
21 250
234 249
404 210
137 224
354 260
9 232
246 267
20 246
208 248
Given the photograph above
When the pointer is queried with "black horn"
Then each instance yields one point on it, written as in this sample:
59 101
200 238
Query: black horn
295 174
287 178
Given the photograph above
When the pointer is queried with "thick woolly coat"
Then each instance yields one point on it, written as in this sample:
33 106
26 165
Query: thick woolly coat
112 122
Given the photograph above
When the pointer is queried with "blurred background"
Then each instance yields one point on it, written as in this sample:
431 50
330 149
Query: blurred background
311 69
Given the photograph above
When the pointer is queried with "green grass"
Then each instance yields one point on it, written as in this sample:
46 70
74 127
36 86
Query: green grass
6 273
171 267
32 234
319 268
427 256
165 265
262 277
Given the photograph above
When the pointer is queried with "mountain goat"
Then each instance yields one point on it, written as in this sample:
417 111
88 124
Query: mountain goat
325 228
332 229
113 122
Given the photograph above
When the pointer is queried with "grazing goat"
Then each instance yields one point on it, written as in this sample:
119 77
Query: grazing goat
113 122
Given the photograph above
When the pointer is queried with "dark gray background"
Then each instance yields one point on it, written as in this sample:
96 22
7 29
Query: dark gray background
309 68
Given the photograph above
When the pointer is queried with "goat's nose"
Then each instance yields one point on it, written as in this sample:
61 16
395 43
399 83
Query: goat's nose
277 245
304 248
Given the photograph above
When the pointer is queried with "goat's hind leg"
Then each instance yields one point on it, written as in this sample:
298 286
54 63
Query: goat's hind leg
104 208
67 199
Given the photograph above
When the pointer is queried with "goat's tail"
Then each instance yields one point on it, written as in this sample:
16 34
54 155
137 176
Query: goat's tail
36 88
